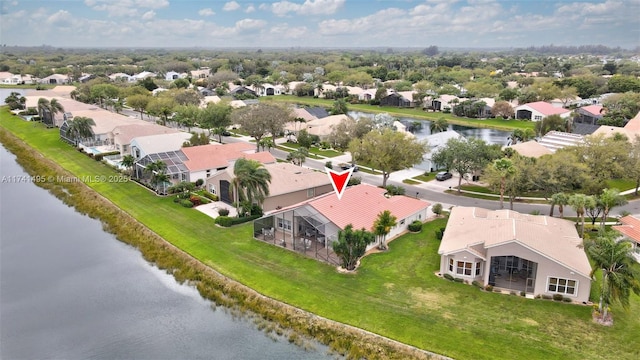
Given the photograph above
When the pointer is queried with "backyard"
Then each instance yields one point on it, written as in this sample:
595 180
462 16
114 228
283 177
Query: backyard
395 293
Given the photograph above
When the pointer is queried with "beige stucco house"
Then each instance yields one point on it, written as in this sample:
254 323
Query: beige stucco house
290 184
539 255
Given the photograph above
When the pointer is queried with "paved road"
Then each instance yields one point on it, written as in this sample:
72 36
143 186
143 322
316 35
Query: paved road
432 191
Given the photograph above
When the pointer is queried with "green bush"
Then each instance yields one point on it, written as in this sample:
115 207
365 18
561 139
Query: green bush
415 226
557 297
395 190
523 294
567 299
230 221
328 165
458 280
476 283
223 212
439 233
488 288
354 180
546 297
199 182
448 277
437 209
177 199
210 196
98 157
224 221
186 203
195 200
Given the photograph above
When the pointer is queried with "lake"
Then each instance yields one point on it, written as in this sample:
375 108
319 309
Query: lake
69 290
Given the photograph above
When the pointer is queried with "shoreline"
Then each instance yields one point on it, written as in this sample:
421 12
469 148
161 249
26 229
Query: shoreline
282 318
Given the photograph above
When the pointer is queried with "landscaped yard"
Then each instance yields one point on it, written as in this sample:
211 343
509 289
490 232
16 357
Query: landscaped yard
314 150
414 113
395 293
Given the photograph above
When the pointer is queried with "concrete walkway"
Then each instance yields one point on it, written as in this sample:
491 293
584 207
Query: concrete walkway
212 208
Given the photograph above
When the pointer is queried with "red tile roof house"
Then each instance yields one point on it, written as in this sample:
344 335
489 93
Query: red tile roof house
538 255
537 111
589 114
630 229
312 226
200 162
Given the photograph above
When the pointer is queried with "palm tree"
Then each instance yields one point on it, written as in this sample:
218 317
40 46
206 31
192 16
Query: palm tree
609 199
43 107
55 107
251 182
579 203
298 156
80 128
157 170
615 261
439 125
561 199
382 226
128 161
505 169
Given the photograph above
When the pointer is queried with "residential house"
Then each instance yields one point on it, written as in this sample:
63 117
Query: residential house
143 75
554 140
142 146
122 135
290 184
631 129
121 77
537 255
436 142
321 127
201 73
589 114
269 90
7 78
312 226
629 228
242 90
367 95
531 148
172 75
57 79
397 99
444 102
538 110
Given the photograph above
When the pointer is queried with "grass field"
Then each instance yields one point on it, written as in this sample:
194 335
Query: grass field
498 124
328 153
395 293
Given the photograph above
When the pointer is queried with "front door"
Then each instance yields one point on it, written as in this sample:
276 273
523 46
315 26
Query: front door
225 195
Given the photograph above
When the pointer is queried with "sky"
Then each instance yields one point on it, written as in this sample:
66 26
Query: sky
319 23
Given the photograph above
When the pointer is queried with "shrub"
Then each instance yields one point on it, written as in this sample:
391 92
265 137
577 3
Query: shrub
448 277
557 297
567 299
476 283
224 221
354 181
488 288
328 165
199 182
523 294
547 297
458 280
223 212
512 293
437 209
415 226
395 190
177 199
98 157
210 196
440 233
195 200
186 203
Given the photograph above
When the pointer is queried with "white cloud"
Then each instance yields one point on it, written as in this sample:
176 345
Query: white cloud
206 12
152 4
309 7
149 15
231 6
60 18
118 8
250 9
284 31
250 24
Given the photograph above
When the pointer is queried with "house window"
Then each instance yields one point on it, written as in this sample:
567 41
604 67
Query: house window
402 222
478 268
311 192
212 188
451 265
284 224
562 286
538 117
464 268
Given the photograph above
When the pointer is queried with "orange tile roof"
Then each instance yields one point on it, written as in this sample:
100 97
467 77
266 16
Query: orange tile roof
546 109
630 228
633 125
361 204
214 156
593 109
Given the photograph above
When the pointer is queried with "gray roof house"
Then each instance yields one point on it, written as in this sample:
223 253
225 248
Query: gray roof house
537 255
436 141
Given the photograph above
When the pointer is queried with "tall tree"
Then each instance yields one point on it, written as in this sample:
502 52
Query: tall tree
505 169
161 107
128 161
55 107
608 199
261 119
250 183
79 128
561 199
187 115
351 245
216 116
43 108
15 101
339 107
382 227
620 275
388 151
465 156
139 103
298 156
580 203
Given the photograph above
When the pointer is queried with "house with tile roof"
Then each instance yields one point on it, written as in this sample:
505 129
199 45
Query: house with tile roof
538 110
290 184
629 228
589 114
122 135
142 146
531 148
56 79
631 129
312 226
537 255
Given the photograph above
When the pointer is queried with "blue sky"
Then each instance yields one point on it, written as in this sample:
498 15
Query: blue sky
319 23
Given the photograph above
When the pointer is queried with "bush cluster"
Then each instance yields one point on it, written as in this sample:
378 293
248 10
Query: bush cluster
227 221
448 277
223 212
488 288
476 283
440 233
557 297
210 196
458 280
186 203
395 190
415 226
195 200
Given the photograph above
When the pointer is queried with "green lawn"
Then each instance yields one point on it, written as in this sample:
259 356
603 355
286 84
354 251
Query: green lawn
414 113
314 150
395 294
426 176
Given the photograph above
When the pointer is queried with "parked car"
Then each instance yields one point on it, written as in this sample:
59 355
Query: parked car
346 166
443 175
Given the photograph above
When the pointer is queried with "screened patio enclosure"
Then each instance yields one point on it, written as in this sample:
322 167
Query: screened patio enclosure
302 229
513 273
174 160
